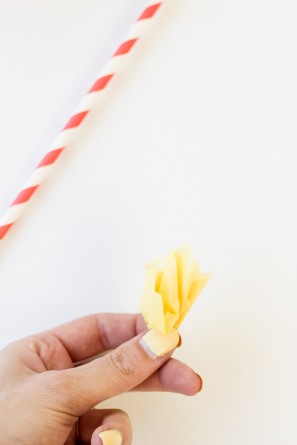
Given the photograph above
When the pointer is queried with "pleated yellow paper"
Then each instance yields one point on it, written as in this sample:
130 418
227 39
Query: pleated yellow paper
172 285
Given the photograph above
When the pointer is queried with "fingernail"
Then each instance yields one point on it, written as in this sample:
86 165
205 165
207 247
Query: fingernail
180 341
158 345
200 385
111 437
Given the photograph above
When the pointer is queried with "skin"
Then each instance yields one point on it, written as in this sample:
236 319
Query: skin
46 398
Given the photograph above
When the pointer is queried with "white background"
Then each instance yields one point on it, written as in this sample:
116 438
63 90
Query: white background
195 142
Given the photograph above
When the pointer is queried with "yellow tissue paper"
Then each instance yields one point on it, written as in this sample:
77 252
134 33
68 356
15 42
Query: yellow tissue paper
172 285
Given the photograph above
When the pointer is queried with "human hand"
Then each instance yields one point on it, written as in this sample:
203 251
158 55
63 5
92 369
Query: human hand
46 399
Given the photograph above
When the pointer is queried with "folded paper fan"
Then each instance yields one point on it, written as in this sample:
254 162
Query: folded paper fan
172 285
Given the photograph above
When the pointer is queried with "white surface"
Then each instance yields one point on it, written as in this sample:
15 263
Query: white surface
196 142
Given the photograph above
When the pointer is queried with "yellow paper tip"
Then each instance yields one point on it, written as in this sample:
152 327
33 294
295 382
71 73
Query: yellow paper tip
172 285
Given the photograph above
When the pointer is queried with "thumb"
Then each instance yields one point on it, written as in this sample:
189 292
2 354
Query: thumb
119 370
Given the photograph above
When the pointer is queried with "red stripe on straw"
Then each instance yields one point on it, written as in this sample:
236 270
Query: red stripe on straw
101 83
76 120
150 11
125 47
25 195
4 230
51 157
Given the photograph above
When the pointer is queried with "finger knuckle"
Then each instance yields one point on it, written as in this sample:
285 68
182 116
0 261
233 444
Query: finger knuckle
122 364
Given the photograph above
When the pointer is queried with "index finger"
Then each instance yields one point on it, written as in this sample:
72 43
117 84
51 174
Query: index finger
91 335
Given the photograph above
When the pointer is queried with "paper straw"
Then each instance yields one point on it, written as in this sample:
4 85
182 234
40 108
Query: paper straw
69 132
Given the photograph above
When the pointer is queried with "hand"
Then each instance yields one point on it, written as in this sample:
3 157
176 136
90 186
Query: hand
46 399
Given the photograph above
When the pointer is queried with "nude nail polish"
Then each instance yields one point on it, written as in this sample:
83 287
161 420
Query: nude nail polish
180 341
158 345
200 385
111 437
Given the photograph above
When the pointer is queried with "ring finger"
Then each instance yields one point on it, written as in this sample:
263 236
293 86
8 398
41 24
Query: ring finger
105 427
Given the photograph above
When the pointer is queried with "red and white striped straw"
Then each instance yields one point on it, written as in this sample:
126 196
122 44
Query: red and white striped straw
68 133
